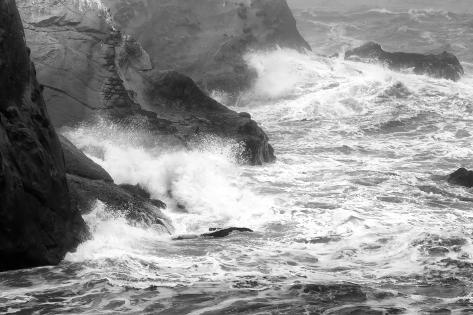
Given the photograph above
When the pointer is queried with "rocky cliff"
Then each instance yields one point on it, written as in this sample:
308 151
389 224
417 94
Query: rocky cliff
110 58
207 39
37 223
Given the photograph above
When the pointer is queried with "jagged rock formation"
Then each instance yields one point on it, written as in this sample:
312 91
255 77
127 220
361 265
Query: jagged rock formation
89 65
73 45
37 223
444 65
207 39
175 97
89 182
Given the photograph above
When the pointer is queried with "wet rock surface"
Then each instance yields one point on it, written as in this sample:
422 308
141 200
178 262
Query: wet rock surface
444 65
461 177
219 233
88 183
79 164
91 65
38 225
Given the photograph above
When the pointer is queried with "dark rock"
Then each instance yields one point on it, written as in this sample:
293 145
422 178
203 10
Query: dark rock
177 98
134 206
77 163
137 190
37 223
207 40
90 66
461 177
329 293
225 232
444 65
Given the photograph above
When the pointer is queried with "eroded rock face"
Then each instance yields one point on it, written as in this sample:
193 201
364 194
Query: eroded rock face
37 223
90 66
73 45
444 65
207 39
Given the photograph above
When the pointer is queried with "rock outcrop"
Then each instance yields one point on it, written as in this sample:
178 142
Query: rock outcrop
444 65
89 182
37 223
207 39
461 177
175 97
91 66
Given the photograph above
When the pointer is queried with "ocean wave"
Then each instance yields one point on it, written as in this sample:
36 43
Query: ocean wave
202 185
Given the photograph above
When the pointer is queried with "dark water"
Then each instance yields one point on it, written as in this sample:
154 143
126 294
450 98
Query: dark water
355 217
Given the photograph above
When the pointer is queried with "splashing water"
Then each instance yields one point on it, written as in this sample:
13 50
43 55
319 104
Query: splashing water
357 195
203 185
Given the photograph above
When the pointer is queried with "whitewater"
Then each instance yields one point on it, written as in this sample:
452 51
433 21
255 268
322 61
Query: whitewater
357 198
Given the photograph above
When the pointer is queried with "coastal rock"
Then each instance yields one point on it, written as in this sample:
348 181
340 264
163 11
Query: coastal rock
37 223
73 45
220 233
79 164
207 39
119 201
461 177
89 182
444 65
177 98
91 66
214 233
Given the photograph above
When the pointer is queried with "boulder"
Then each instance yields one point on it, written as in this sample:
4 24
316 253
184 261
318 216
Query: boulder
38 225
461 177
444 65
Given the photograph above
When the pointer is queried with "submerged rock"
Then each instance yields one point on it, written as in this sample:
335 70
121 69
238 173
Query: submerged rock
329 293
215 233
444 65
461 177
219 233
37 223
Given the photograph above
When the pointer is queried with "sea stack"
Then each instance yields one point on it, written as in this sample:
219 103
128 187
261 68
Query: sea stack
37 223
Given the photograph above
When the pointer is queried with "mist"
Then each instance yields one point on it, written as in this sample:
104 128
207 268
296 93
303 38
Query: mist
458 6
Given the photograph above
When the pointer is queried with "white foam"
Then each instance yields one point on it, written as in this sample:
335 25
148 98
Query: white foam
203 186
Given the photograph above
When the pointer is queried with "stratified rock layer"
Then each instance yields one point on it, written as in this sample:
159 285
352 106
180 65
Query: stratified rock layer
444 65
37 223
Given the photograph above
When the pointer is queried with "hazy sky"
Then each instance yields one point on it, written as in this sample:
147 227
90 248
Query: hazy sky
343 5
